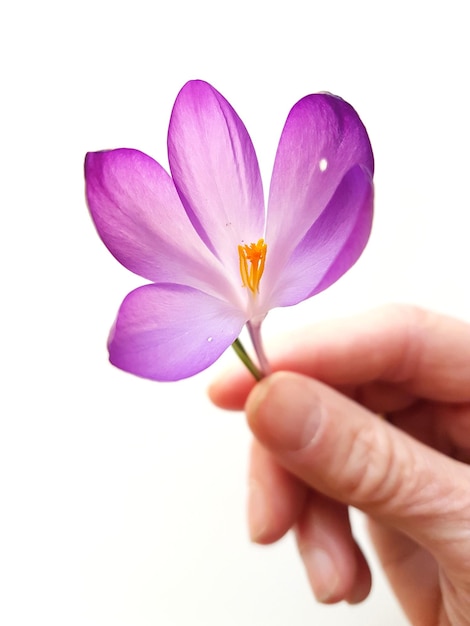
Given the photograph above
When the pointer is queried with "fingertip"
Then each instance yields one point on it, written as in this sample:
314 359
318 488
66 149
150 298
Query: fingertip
275 497
329 552
257 396
230 390
217 394
258 513
284 411
362 581
323 574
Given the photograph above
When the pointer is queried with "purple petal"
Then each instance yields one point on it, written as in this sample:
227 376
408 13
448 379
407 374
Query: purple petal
323 138
169 332
140 218
333 244
215 169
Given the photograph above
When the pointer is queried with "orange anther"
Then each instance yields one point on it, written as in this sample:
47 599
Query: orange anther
252 260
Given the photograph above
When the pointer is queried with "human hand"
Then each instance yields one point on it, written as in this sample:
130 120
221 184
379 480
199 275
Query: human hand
320 446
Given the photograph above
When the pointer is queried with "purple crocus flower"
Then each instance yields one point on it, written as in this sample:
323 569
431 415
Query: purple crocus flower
215 259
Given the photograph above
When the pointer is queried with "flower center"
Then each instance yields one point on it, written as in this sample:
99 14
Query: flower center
252 260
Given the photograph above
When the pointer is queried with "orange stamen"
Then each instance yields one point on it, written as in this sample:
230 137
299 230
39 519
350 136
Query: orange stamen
252 260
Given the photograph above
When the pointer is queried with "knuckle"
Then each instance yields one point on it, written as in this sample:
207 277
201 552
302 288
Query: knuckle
374 475
391 477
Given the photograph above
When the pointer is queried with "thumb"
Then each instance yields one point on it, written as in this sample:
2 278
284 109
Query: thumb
346 452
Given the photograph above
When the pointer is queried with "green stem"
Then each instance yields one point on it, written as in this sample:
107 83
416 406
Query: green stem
244 357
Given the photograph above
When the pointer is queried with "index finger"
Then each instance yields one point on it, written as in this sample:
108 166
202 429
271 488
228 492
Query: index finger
423 353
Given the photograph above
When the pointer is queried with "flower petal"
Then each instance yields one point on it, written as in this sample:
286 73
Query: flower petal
140 218
168 332
333 244
322 139
215 170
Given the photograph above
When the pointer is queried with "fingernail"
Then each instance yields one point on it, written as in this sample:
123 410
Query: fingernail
257 511
322 573
286 410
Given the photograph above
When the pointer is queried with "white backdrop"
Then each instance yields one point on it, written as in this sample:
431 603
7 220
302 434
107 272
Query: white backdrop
123 500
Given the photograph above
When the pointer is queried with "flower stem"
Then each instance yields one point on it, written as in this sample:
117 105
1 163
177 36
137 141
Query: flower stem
254 330
244 357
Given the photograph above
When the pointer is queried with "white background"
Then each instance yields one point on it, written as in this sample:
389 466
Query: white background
122 501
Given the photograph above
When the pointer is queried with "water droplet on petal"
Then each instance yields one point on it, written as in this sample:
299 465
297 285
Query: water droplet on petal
209 339
323 164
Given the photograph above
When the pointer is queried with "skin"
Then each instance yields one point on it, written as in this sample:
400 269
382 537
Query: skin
373 413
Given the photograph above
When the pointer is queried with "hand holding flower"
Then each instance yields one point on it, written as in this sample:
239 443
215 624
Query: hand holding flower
320 446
